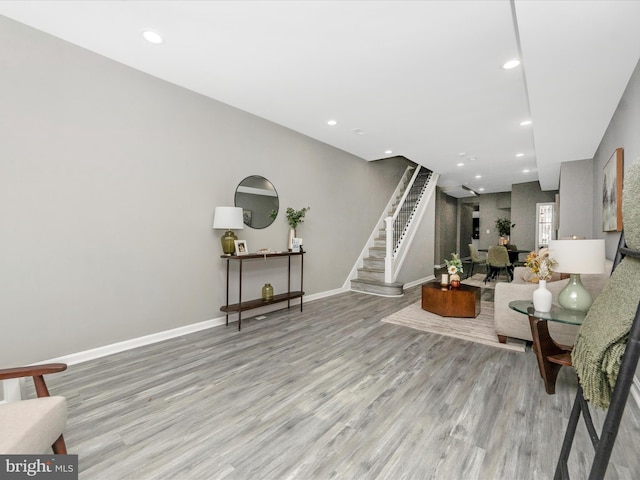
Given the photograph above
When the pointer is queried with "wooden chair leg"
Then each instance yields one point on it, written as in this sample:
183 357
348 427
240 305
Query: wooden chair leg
59 447
502 338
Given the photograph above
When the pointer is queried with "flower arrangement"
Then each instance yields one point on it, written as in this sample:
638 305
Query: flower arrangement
541 264
454 266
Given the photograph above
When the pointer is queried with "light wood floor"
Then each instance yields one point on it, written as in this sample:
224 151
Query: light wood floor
330 393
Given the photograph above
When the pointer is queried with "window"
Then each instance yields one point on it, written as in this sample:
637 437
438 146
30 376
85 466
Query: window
545 224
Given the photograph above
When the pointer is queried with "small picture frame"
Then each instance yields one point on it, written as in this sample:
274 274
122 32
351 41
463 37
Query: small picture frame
241 247
296 245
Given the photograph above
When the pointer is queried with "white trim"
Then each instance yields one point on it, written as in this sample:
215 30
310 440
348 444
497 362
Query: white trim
414 223
99 352
12 390
420 281
353 274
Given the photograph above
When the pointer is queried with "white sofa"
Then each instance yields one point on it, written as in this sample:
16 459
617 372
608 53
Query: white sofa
509 323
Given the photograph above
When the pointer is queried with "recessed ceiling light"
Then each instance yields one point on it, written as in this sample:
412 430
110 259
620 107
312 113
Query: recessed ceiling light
388 152
461 164
526 170
332 122
461 154
519 154
513 63
152 37
357 131
481 189
525 123
478 176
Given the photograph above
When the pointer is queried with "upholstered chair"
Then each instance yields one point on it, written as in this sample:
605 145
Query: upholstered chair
33 426
498 260
476 259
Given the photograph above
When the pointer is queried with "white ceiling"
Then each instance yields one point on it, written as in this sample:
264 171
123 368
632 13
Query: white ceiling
420 78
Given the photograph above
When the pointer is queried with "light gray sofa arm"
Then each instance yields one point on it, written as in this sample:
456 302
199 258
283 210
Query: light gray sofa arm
509 323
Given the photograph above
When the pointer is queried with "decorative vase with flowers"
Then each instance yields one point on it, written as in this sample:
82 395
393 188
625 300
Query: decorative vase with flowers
454 268
541 265
294 218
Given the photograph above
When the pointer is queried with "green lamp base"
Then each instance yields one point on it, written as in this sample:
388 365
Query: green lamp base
228 245
574 296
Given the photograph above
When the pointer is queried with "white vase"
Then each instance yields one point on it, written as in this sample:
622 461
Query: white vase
542 298
292 235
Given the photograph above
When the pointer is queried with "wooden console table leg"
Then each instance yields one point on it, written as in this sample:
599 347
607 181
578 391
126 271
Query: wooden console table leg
543 345
227 311
240 296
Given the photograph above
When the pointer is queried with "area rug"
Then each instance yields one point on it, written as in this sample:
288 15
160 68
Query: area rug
478 330
478 281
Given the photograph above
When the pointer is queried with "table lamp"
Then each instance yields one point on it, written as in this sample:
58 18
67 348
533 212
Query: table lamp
577 257
226 218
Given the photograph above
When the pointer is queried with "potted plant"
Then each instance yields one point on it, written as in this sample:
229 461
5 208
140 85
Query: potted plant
504 226
295 218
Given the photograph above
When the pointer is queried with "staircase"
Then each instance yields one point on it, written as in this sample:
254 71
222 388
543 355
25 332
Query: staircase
373 277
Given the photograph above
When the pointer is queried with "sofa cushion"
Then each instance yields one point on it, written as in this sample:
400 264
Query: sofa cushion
32 426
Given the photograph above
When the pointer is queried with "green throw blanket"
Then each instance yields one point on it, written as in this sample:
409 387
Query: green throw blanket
601 342
603 337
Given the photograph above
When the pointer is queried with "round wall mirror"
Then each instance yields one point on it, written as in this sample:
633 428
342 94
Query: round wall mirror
258 199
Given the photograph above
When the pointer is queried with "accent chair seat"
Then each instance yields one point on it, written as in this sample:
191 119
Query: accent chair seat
35 425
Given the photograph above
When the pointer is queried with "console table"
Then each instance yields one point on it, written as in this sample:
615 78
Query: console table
251 304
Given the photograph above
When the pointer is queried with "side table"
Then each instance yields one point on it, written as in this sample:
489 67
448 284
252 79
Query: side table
551 356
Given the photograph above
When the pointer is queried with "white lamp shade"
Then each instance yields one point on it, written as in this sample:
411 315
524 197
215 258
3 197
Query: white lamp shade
578 256
227 218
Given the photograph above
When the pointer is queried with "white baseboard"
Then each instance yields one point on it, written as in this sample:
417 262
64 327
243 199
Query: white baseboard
419 282
12 389
99 352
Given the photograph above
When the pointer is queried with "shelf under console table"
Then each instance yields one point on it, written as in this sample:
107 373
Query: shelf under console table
242 306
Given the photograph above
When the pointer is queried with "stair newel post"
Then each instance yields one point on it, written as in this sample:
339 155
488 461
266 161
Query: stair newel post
388 259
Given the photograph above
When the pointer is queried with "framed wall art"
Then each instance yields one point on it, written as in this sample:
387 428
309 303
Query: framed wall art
612 193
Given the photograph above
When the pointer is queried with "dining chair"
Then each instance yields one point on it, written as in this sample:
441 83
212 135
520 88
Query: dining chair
476 259
498 260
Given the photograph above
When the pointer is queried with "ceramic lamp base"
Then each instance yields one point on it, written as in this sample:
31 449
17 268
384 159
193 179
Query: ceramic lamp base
228 245
574 296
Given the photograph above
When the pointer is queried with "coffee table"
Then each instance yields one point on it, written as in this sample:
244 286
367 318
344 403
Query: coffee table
463 301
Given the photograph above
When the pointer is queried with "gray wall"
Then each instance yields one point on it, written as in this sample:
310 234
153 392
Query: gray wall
492 207
446 226
519 206
108 185
524 197
575 181
623 131
581 182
